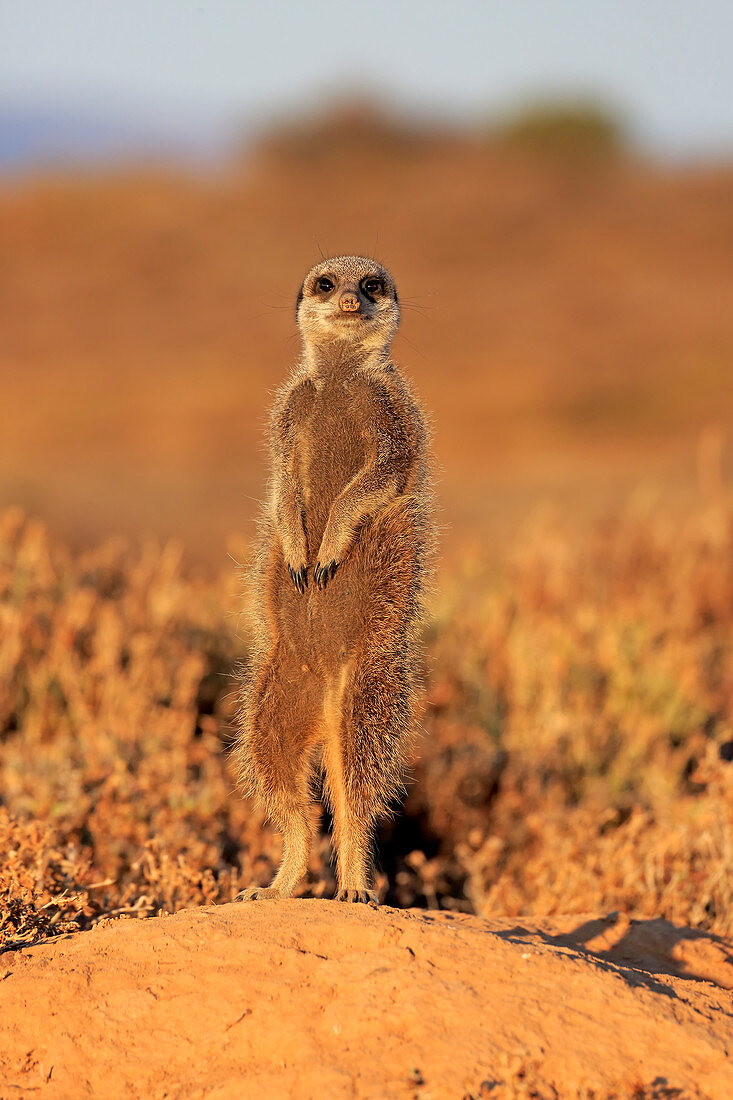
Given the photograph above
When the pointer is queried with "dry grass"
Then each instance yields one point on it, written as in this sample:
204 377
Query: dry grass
519 1078
579 717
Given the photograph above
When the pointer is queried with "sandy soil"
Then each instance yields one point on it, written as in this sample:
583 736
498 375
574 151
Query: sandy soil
312 999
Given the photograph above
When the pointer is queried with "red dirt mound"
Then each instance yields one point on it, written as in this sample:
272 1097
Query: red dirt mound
313 999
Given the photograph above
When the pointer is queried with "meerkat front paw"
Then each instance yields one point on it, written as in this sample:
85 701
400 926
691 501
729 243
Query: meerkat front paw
299 576
322 574
365 897
258 893
334 547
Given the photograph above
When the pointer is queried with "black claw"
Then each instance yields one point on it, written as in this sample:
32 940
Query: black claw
299 577
328 571
323 573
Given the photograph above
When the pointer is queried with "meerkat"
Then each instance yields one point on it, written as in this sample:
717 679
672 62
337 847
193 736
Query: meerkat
338 584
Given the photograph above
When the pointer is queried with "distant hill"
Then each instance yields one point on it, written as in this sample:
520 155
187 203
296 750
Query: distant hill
43 135
567 318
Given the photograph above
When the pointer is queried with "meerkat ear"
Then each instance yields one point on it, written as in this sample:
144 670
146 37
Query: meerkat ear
299 299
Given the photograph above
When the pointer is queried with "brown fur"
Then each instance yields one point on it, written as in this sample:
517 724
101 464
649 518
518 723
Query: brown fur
334 670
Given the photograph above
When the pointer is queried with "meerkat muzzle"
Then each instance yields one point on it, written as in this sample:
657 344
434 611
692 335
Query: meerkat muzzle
349 303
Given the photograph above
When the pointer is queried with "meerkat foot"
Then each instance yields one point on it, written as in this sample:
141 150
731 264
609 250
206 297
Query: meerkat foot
364 897
260 893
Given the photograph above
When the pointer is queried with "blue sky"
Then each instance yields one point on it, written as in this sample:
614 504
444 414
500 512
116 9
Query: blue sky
210 65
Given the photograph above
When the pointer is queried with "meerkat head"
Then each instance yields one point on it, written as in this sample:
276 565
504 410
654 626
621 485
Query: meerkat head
349 300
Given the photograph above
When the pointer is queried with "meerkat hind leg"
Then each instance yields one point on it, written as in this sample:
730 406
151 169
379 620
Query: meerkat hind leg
352 819
296 831
354 859
279 756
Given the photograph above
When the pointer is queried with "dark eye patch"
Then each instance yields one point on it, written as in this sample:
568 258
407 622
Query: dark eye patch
324 284
372 286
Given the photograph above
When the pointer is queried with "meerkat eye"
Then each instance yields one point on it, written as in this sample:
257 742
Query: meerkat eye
372 286
325 284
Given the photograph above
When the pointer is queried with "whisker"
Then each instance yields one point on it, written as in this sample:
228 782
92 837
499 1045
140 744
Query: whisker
414 347
318 246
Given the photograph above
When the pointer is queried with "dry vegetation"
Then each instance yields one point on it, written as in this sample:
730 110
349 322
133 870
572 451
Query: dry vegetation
579 728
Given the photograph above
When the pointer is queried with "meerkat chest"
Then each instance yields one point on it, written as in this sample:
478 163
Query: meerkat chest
332 441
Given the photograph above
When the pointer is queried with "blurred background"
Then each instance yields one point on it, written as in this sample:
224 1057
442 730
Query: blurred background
551 184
